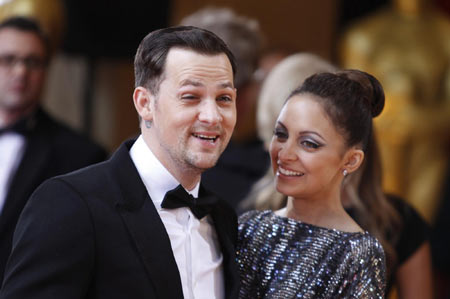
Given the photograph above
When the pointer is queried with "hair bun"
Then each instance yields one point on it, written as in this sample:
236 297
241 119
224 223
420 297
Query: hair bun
374 94
377 99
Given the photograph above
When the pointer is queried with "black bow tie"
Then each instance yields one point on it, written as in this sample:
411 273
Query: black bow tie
178 198
23 126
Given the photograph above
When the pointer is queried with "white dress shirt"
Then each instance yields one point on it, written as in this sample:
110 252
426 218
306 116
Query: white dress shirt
12 147
194 242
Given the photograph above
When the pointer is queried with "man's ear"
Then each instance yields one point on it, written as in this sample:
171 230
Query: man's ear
354 159
143 102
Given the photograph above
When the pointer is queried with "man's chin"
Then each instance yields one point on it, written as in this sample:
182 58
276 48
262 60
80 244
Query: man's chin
18 103
204 163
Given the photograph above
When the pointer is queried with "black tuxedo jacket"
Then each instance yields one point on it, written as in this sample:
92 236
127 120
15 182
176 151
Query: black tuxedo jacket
52 149
96 233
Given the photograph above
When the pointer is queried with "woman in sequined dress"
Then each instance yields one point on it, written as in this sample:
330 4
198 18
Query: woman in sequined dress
312 248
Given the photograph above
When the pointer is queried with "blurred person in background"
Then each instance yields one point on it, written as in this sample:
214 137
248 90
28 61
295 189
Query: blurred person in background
399 228
245 160
440 243
33 145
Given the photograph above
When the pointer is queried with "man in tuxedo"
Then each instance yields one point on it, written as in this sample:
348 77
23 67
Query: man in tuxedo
141 225
33 146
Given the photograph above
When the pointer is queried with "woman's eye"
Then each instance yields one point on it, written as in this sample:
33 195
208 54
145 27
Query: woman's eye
310 144
280 134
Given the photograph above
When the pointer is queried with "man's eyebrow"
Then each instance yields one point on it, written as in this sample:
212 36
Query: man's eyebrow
226 85
191 82
195 83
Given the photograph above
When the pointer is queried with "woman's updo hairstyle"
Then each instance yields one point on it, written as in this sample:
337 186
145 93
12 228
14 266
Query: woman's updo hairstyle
351 98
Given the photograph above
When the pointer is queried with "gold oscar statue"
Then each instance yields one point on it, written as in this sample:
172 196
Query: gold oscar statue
49 13
407 47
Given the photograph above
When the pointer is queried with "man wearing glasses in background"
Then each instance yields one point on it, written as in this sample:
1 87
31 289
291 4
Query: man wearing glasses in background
33 146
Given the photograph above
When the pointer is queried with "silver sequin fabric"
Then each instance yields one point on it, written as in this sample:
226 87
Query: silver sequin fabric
280 257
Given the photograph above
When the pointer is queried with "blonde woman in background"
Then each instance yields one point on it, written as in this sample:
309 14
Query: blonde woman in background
401 231
282 79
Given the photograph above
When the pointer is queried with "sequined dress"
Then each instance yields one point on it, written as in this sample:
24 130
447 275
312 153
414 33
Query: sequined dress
279 257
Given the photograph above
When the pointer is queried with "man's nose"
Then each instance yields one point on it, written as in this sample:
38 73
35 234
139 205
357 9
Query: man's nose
19 68
210 112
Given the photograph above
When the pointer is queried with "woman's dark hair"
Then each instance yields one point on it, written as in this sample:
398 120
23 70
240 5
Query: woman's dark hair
152 52
351 98
372 209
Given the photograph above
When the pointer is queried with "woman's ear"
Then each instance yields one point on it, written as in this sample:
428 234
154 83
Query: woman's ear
353 159
143 102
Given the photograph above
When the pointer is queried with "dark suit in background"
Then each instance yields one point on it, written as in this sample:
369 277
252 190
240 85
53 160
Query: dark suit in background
34 146
51 149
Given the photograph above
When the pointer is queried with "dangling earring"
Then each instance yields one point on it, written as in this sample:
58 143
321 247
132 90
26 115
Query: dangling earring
148 124
345 172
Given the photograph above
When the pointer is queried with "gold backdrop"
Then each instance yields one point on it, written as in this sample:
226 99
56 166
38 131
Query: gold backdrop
407 47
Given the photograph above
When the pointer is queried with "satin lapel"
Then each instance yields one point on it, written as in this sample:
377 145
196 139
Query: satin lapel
145 226
224 222
36 156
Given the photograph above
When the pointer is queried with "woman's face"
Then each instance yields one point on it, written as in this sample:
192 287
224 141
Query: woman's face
308 153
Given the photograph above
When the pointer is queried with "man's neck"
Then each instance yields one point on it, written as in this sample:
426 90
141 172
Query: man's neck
187 177
11 116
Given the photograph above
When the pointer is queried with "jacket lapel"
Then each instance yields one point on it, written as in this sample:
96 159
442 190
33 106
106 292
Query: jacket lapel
36 156
225 223
145 226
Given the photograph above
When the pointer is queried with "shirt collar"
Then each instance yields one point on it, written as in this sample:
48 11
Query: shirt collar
156 178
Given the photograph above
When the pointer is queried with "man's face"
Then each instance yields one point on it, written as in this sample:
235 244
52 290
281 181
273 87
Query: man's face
22 69
194 113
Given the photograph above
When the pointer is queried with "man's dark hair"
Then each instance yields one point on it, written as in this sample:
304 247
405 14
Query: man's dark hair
152 52
27 24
